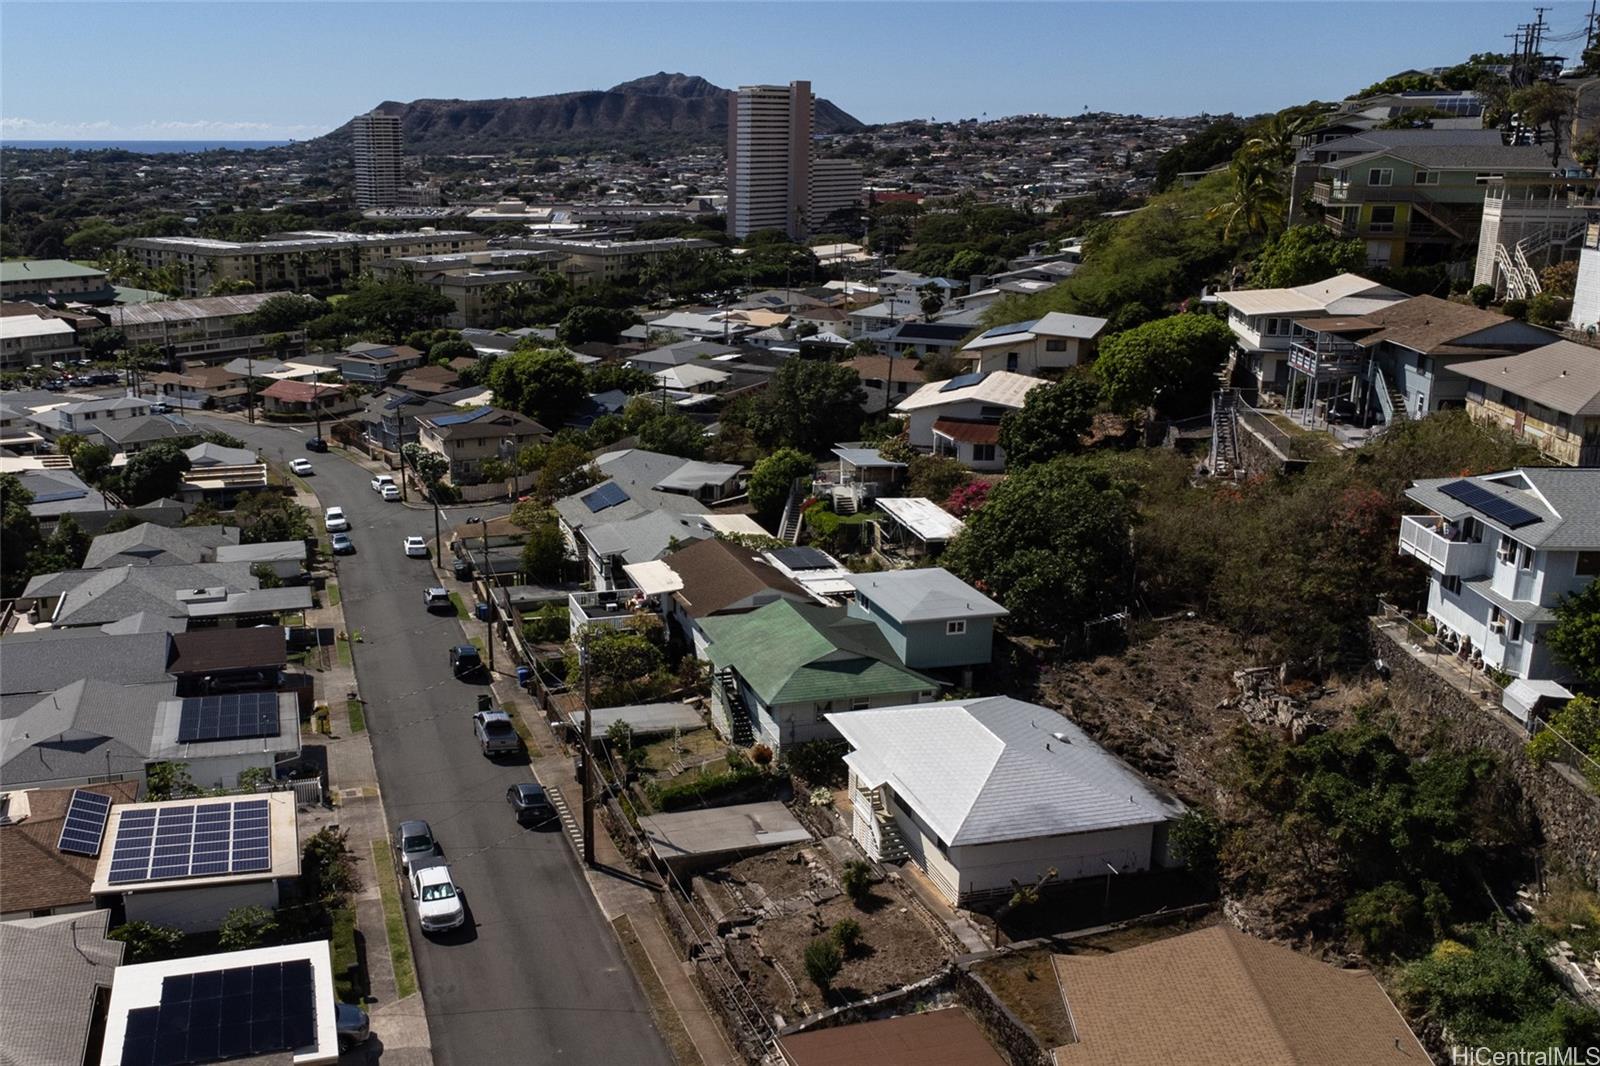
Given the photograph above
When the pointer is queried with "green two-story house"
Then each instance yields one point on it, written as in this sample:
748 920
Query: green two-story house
1413 204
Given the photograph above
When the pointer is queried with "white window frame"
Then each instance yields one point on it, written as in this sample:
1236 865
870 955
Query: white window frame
1427 177
1380 177
956 627
859 703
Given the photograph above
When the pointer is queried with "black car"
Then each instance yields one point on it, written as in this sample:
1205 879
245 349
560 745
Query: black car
462 568
316 444
530 804
465 660
1343 411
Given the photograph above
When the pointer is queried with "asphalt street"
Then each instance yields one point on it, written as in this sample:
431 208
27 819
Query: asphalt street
536 975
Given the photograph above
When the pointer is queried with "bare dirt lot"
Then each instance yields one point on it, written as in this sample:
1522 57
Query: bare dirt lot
803 900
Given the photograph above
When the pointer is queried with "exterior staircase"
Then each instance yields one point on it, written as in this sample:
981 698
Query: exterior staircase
739 728
1224 435
891 841
794 518
1391 401
844 499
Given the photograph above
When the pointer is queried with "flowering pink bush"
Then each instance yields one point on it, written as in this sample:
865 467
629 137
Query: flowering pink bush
968 498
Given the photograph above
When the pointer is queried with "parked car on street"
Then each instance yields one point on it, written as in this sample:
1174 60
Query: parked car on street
334 520
301 467
439 905
465 660
530 803
342 544
414 840
316 444
380 481
437 599
352 1025
495 732
390 493
416 547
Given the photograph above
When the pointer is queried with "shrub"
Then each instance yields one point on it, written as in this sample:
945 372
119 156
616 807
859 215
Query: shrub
328 868
1197 840
703 788
1515 308
146 942
823 962
246 927
847 934
819 763
1577 725
857 880
761 755
1481 295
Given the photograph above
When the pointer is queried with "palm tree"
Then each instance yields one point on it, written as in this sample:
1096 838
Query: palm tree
1258 202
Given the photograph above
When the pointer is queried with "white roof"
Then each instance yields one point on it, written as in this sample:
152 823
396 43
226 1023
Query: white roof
922 517
1001 388
654 577
12 326
1308 299
734 523
1053 324
284 846
138 986
986 770
688 375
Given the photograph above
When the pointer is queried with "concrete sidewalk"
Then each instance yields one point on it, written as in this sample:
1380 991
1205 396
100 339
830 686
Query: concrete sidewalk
399 1026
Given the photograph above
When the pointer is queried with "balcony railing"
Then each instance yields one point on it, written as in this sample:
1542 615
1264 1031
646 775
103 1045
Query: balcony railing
1325 355
1424 537
611 608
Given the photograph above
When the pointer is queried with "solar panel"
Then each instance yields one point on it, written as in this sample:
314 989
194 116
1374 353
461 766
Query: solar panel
607 495
199 840
225 1014
803 559
1015 327
232 717
1496 508
963 381
464 416
85 824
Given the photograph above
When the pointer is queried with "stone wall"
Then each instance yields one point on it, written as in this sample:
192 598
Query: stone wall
1004 1029
1428 706
1258 454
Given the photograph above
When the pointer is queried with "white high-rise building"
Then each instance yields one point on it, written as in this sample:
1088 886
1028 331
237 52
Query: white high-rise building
835 186
377 153
769 158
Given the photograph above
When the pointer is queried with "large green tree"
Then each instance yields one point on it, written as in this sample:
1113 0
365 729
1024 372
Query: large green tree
671 433
1051 544
264 517
1575 638
153 473
1170 364
585 323
1050 423
1303 254
542 383
809 405
284 313
19 535
771 479
395 308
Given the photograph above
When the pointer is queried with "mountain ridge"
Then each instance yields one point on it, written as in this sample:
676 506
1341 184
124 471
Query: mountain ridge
675 105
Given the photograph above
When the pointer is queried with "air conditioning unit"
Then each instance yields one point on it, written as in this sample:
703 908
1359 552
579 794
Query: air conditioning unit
1498 625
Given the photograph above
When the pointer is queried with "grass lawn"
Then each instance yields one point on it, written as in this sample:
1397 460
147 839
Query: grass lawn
1026 982
358 715
460 605
696 745
345 985
344 652
333 594
394 920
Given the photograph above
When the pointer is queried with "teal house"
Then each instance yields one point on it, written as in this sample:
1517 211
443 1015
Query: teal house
931 618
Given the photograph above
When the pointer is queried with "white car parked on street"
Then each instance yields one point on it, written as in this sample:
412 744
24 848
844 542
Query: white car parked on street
439 906
300 466
335 521
416 547
380 481
390 493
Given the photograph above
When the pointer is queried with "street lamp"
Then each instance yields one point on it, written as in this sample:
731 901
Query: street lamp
488 620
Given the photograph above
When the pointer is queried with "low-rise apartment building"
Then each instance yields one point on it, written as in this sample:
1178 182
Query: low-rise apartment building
209 329
1502 549
300 260
1549 397
36 340
54 281
587 262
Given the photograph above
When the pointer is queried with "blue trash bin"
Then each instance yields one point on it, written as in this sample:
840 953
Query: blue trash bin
524 675
482 611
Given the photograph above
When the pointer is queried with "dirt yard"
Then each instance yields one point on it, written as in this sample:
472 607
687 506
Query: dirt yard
799 890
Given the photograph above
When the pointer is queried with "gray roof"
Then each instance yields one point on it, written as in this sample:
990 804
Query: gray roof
648 718
1521 610
682 352
637 472
1527 157
1565 499
255 601
142 622
55 967
59 492
81 730
988 770
694 475
139 430
208 454
1373 140
33 662
865 458
150 543
646 537
164 743
95 597
927 595
1563 376
271 551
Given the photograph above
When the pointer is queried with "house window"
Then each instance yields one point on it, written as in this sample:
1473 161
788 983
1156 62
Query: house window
983 453
1429 177
1588 564
1382 220
1527 558
1507 551
1451 584
859 703
1011 361
956 628
1055 344
1383 176
1514 631
1475 391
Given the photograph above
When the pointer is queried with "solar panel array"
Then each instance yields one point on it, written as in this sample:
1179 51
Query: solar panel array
225 1014
1496 508
200 840
464 416
85 825
607 495
963 381
803 559
1015 327
231 717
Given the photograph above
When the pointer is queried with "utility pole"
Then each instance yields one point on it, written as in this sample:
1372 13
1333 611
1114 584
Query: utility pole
588 754
250 390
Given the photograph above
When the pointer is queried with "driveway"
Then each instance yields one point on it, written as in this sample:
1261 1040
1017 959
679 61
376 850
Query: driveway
536 974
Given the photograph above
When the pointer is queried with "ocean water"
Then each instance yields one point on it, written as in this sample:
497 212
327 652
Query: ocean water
147 147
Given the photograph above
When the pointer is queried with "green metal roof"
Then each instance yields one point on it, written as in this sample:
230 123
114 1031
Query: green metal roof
22 270
789 653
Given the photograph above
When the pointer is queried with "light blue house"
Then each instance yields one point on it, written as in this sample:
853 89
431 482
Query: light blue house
931 618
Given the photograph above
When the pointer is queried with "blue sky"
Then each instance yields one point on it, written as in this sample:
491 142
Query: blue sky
273 71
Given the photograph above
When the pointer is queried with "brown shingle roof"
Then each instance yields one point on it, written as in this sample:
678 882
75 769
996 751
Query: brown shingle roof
1218 997
300 391
33 874
935 1038
1564 376
970 432
876 368
1429 325
206 651
716 574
